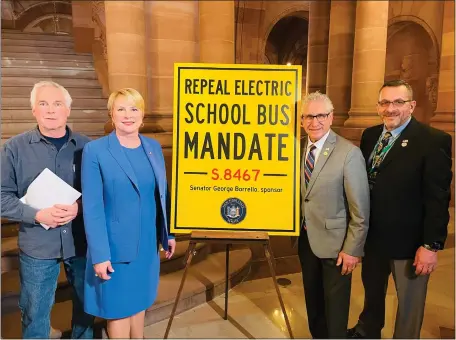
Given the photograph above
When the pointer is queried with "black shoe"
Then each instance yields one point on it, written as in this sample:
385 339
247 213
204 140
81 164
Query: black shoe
352 333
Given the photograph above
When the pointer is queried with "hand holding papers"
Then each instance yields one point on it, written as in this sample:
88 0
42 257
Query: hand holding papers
48 190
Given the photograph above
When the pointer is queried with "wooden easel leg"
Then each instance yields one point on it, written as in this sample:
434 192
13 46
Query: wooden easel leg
268 252
189 257
227 266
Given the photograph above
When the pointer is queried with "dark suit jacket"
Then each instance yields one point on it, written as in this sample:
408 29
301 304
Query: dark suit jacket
410 199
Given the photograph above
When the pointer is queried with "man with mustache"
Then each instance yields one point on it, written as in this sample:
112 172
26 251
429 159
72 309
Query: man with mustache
409 171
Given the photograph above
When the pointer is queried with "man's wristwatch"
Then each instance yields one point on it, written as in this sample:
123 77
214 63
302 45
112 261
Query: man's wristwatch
434 246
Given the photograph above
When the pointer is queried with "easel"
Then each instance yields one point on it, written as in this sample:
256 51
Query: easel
228 238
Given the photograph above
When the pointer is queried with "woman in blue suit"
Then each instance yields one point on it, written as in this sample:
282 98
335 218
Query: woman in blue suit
125 207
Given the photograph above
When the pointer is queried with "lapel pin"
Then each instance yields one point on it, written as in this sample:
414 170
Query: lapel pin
325 153
404 143
150 152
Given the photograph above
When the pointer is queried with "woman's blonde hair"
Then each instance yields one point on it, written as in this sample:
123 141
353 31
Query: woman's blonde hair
131 94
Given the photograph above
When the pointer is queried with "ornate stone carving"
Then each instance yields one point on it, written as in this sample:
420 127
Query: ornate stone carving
407 68
98 18
432 90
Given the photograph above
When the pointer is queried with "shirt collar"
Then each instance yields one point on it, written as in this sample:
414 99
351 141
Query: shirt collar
397 131
319 143
37 136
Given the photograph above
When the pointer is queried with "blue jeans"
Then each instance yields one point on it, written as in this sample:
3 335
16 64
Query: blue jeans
38 284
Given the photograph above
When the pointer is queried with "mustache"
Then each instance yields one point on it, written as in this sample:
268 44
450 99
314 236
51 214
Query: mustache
390 114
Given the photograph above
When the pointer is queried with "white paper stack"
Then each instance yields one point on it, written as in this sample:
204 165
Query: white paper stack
47 190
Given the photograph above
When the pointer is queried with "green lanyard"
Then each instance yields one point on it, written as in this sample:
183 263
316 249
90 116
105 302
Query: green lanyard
382 153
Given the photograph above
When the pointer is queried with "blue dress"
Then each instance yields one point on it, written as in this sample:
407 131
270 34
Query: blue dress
133 285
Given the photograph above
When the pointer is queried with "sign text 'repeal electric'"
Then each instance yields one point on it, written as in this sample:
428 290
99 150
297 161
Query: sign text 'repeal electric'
236 148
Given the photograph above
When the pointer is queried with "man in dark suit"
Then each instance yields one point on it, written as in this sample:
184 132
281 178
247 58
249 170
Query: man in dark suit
409 171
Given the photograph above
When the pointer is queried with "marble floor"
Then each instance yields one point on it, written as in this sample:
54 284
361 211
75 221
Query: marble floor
254 310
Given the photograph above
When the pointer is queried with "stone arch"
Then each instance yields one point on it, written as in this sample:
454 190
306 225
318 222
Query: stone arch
41 9
424 25
412 54
293 45
65 24
270 54
287 42
301 11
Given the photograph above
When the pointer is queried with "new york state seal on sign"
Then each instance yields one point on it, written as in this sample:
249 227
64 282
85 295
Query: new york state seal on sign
233 210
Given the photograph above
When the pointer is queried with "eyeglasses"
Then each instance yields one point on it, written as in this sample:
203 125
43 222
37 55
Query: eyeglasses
321 117
396 103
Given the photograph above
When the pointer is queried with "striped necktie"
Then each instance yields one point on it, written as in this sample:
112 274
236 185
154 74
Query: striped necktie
309 165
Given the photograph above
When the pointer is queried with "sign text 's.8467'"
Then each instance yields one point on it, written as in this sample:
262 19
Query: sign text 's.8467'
228 174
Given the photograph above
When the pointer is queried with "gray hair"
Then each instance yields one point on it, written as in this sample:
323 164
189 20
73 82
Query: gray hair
317 96
41 84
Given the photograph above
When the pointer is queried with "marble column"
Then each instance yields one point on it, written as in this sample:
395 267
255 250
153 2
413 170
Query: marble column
83 31
317 47
444 113
171 30
216 31
99 49
126 45
369 59
340 58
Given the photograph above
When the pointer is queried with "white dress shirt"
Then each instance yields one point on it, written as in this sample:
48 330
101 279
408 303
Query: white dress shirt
318 144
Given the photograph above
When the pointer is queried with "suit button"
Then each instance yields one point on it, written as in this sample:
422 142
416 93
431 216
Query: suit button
306 200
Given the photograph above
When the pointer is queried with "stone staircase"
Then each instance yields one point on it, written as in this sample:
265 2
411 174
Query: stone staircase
206 280
31 57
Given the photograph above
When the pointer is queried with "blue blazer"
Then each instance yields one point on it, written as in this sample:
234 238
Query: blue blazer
111 199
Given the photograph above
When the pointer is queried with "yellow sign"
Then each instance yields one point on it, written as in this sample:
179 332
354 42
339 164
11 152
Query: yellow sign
236 148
